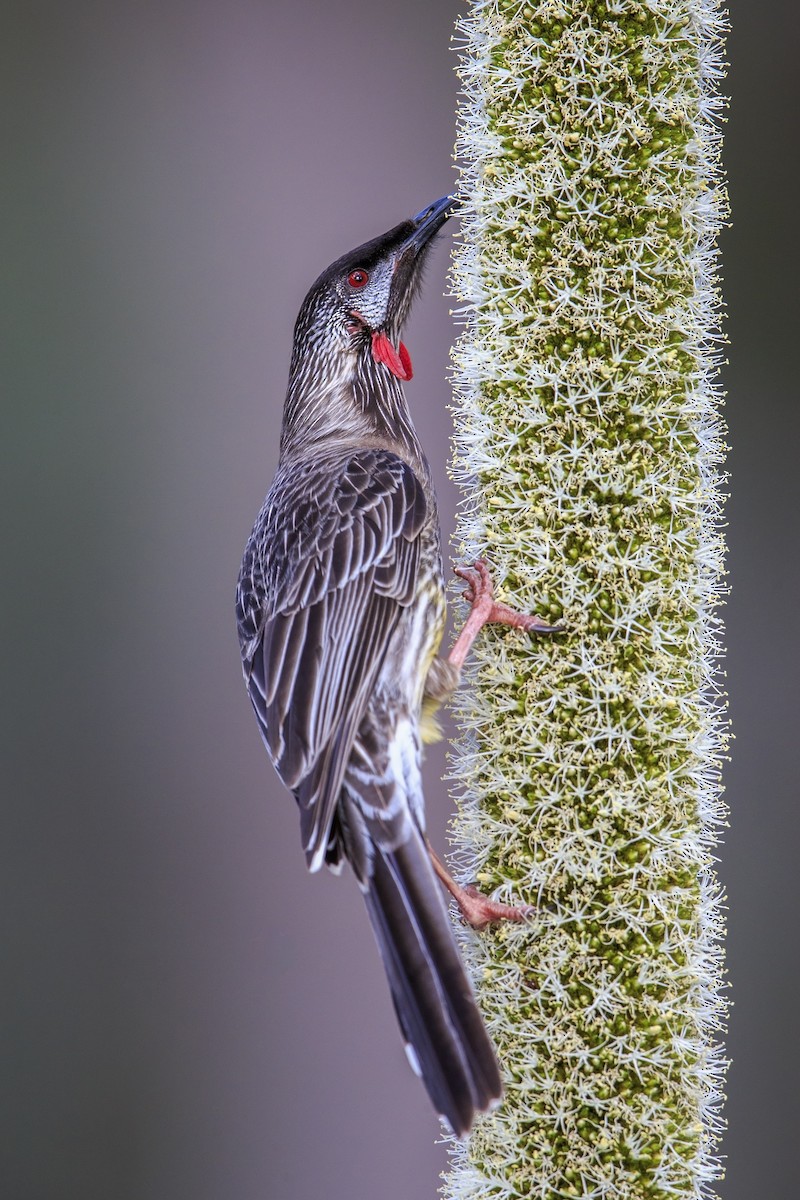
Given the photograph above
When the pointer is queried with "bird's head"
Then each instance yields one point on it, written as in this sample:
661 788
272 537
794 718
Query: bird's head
357 307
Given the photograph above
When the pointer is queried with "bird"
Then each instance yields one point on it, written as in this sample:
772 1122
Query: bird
340 608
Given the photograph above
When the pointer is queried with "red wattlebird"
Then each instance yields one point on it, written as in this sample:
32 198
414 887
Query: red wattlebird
341 609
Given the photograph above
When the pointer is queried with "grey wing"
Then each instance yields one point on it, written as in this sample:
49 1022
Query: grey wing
330 567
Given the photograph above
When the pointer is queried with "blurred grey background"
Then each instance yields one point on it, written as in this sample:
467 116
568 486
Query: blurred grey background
185 1012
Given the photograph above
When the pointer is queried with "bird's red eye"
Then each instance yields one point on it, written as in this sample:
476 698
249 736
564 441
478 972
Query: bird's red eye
357 278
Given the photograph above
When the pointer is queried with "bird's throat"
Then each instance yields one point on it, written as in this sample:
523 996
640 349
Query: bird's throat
398 361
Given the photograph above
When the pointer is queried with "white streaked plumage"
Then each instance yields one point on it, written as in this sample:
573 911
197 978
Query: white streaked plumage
340 610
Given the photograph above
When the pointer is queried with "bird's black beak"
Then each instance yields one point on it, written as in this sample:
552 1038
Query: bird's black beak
410 256
428 223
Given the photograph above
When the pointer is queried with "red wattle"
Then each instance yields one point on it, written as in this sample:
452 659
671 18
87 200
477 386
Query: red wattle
384 352
405 359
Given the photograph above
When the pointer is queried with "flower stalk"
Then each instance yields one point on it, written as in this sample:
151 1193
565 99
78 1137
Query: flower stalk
589 442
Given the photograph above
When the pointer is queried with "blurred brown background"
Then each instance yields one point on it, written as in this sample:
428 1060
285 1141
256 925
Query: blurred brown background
186 1013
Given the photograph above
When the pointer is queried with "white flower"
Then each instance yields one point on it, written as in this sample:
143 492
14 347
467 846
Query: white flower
590 443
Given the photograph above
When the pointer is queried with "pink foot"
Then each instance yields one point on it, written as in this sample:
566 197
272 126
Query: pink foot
486 610
479 910
476 909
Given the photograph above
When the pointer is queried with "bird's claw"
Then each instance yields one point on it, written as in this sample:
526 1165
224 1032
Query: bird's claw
479 910
479 593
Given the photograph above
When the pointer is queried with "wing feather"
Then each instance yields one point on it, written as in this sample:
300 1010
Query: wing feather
332 562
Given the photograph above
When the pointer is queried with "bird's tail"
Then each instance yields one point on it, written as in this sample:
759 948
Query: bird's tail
447 1042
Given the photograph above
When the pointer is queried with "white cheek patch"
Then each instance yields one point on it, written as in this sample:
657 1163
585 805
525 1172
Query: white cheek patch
372 301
